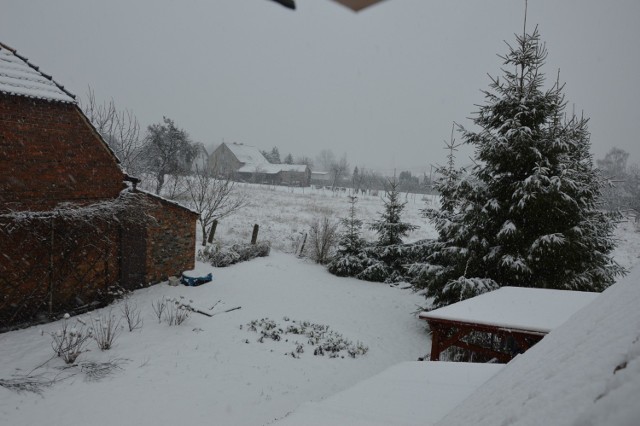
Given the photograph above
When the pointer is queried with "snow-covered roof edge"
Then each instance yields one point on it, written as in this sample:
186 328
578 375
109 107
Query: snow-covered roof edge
517 308
247 154
69 98
269 168
166 200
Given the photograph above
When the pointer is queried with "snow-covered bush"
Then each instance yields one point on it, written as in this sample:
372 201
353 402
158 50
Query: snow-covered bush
105 330
375 270
348 265
221 256
384 260
323 340
69 342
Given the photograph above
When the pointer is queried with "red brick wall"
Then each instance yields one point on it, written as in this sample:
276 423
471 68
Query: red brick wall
65 263
48 154
171 240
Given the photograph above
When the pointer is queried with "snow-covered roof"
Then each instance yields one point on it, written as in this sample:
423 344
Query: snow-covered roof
246 153
272 169
166 200
21 78
530 309
410 393
585 372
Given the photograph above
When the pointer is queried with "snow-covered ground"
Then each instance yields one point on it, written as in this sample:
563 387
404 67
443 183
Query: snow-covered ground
284 214
210 370
407 394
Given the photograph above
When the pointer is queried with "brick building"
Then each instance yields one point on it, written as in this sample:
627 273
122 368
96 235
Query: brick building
72 225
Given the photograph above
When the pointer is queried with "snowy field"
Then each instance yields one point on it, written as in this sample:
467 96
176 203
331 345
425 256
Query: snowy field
284 214
213 370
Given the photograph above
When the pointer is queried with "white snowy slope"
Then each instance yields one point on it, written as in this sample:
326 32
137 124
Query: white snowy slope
410 393
585 372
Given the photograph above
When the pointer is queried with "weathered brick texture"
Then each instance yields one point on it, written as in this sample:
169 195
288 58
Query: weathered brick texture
49 153
171 240
53 265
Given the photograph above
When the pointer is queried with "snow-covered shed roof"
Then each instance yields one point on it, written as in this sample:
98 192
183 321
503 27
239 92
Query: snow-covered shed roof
585 372
518 308
410 393
246 153
20 77
272 169
166 200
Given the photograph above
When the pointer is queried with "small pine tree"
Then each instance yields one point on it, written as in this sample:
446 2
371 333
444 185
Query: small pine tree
349 259
386 259
351 241
527 214
390 228
274 157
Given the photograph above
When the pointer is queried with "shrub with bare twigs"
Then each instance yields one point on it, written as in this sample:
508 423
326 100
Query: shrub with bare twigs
323 236
131 314
105 330
176 312
172 311
69 342
159 306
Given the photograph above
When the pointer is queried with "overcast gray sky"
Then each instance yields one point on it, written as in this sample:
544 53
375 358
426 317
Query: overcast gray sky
381 86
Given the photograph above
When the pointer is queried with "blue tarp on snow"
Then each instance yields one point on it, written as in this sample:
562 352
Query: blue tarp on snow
196 281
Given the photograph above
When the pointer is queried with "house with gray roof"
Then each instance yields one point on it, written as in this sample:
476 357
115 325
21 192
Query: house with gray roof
246 163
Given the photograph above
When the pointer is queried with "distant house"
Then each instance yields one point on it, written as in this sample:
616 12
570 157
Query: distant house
247 164
229 157
73 227
201 159
321 178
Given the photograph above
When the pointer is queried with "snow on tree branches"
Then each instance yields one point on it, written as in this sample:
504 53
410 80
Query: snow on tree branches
526 214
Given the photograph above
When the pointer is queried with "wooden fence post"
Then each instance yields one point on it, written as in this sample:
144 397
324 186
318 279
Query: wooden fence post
254 236
51 269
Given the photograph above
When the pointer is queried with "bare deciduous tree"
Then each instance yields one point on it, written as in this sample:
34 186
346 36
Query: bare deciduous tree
339 170
175 186
213 197
324 236
325 159
120 129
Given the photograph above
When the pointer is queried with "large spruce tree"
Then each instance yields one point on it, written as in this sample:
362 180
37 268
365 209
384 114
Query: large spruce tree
526 214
